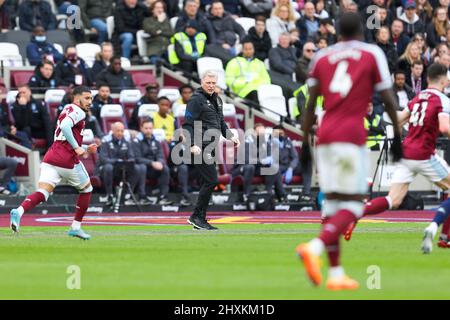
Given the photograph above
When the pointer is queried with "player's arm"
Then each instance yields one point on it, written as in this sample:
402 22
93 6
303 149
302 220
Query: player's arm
403 117
444 123
66 129
391 105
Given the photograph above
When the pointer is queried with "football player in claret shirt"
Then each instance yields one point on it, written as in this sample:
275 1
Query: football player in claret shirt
428 116
62 163
346 74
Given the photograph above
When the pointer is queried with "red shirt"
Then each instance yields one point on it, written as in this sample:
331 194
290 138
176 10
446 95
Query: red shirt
347 74
61 153
420 143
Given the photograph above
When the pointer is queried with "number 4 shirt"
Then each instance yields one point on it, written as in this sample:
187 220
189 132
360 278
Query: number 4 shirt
420 143
347 73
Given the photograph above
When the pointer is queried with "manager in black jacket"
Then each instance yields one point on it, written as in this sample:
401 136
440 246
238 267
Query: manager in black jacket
205 106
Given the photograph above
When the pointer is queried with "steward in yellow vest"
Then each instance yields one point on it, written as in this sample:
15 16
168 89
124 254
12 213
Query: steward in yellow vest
372 123
302 95
245 73
188 47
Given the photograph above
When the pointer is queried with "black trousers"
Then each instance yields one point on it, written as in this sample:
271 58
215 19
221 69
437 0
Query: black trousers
208 175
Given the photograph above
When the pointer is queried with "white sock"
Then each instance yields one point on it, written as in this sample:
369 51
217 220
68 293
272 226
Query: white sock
433 228
316 246
443 236
76 225
335 272
389 200
21 211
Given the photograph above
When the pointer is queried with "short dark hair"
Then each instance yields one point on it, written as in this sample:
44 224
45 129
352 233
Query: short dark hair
247 40
115 57
44 62
146 120
260 18
325 21
80 90
163 98
184 86
102 85
417 63
350 25
436 70
399 71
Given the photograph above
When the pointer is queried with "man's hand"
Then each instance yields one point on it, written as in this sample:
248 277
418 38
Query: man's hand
79 151
92 148
306 157
236 141
158 166
396 148
196 150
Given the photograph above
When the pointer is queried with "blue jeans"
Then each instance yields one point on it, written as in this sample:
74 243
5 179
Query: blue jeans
101 28
126 41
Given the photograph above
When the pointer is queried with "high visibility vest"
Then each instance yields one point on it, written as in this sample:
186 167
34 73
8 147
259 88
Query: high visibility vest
375 122
304 89
183 39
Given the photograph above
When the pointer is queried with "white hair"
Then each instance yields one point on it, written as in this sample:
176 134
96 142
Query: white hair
210 74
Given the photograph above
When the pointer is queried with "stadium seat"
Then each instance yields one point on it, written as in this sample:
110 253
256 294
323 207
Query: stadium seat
173 22
59 48
172 93
179 114
229 115
292 102
146 111
128 99
272 100
19 77
19 37
53 98
87 52
61 37
176 107
111 113
209 63
274 107
142 78
110 26
126 63
246 23
94 92
11 96
89 164
88 136
141 37
159 134
9 55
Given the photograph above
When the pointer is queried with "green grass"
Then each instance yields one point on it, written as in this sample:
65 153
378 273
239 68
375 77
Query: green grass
238 262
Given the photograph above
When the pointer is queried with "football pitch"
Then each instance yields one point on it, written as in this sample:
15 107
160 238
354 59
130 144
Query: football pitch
240 261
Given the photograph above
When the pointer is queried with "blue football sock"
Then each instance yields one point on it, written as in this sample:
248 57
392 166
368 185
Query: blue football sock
442 213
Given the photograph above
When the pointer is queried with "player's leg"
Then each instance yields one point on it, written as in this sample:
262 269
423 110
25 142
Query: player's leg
437 171
403 176
79 178
49 178
343 205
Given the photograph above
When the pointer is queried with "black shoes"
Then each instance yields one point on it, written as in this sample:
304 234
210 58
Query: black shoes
200 224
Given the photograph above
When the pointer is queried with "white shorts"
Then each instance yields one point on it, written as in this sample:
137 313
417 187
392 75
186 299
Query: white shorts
435 169
342 168
53 175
